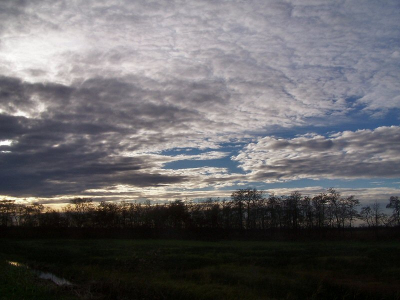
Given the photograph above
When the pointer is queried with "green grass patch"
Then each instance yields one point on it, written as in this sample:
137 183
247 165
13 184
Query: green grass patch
171 269
18 282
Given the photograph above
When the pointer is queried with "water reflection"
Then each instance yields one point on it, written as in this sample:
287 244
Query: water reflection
15 264
43 275
54 278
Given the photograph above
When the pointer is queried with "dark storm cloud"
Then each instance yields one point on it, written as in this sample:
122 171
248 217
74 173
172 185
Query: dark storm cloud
35 168
10 126
96 106
29 99
74 144
78 142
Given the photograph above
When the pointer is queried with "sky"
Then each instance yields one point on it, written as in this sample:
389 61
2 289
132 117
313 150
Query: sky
189 99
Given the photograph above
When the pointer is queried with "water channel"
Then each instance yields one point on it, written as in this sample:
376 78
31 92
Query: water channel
42 275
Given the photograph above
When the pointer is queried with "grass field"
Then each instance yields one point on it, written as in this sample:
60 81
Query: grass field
171 269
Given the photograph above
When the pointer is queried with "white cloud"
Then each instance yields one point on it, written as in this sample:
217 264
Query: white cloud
6 142
344 155
267 62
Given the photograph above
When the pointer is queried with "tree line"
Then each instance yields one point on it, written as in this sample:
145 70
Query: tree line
247 209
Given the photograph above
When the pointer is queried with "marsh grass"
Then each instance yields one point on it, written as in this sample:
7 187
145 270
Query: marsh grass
172 269
18 282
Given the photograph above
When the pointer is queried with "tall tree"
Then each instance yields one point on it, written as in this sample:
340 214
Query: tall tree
238 199
394 203
79 212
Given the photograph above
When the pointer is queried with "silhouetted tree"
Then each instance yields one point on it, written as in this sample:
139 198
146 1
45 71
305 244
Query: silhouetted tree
107 214
351 212
32 214
373 215
274 210
7 212
307 214
291 208
238 199
247 210
228 208
52 219
335 208
177 214
79 212
394 203
319 204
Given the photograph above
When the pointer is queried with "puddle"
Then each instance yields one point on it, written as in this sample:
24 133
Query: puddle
43 275
54 278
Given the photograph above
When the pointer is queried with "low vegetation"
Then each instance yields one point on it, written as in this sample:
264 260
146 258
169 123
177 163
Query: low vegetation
176 269
19 282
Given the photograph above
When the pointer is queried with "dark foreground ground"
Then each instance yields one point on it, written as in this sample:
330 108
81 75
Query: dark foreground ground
176 269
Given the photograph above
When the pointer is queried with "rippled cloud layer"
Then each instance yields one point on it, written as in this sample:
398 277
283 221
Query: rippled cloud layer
100 95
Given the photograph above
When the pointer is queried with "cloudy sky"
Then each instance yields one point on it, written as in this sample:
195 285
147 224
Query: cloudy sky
159 100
